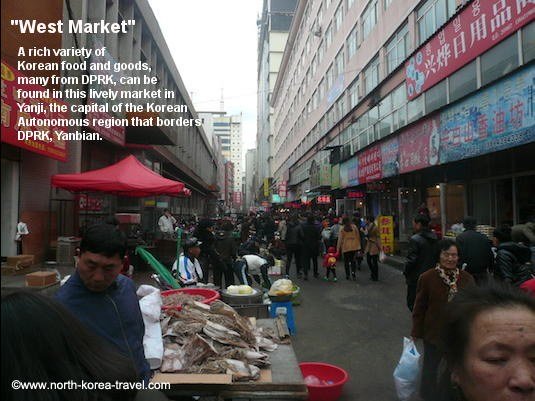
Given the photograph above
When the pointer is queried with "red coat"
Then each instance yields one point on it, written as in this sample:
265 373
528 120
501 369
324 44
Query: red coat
329 255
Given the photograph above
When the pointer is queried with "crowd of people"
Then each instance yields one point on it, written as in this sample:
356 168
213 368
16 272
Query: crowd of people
476 325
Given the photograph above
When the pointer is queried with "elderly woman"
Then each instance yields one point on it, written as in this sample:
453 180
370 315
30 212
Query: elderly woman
489 345
436 287
348 245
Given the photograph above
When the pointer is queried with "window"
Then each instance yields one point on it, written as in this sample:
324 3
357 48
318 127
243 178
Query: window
339 63
528 42
330 77
431 15
328 37
415 109
307 46
315 100
500 60
371 75
350 4
369 18
354 93
463 81
351 43
397 49
327 3
435 97
338 17
321 50
321 90
387 3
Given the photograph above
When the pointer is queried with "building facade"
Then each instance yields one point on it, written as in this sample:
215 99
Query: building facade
273 31
182 153
391 106
250 178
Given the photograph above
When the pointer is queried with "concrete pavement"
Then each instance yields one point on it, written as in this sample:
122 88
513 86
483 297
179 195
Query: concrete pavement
355 325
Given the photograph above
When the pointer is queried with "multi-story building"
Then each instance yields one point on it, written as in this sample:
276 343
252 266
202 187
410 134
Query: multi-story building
390 104
229 185
272 35
228 129
250 178
179 152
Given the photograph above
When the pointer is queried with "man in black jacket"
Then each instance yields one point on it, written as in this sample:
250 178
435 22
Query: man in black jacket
475 251
294 243
512 259
311 239
421 256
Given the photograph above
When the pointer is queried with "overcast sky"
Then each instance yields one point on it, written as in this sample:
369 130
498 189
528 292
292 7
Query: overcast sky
214 45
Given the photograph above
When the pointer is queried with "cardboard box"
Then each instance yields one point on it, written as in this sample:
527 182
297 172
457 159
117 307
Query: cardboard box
20 261
40 279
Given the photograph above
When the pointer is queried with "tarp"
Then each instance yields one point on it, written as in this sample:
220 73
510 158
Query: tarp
126 178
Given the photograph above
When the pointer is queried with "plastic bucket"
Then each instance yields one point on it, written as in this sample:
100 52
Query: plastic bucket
324 372
208 294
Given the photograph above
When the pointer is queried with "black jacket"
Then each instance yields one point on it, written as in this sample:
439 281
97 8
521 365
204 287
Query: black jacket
512 263
226 246
421 256
311 237
294 234
475 250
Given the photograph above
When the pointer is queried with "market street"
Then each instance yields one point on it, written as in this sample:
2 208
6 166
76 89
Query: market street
358 326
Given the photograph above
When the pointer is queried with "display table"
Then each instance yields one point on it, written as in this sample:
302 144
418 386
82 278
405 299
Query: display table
283 380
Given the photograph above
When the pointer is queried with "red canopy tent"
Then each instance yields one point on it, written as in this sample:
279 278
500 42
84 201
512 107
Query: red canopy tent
126 178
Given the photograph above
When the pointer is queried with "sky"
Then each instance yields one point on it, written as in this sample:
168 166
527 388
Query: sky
214 46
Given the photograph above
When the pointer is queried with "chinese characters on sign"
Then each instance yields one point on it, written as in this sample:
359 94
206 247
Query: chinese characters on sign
481 25
419 146
324 199
370 165
11 114
386 229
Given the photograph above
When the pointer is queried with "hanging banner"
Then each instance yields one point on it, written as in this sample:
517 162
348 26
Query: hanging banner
266 187
370 165
47 144
344 175
390 157
498 117
325 175
419 145
386 230
335 176
353 172
480 26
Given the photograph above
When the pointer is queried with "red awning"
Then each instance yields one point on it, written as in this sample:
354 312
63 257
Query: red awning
126 178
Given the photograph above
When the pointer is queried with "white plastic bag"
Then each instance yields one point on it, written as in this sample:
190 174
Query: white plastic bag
151 305
407 372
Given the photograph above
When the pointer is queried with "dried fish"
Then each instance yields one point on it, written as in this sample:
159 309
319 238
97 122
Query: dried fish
223 335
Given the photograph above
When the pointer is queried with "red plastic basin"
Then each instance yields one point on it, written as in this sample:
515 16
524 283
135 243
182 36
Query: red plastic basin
325 372
208 294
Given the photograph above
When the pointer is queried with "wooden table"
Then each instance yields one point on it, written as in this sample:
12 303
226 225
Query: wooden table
286 380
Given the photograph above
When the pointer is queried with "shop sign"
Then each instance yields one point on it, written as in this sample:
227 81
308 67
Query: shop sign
314 173
419 146
480 26
370 165
236 198
283 189
149 203
496 118
275 198
323 199
266 187
353 172
375 186
162 205
265 204
386 229
335 176
55 149
89 203
114 133
325 175
344 174
356 194
390 157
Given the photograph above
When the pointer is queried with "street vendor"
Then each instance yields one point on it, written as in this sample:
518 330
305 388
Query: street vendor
103 299
187 268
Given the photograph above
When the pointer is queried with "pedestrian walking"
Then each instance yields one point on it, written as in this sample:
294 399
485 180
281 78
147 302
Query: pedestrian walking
311 246
513 260
436 287
294 243
361 226
208 257
475 251
373 247
335 231
348 245
326 236
227 251
420 256
282 228
329 262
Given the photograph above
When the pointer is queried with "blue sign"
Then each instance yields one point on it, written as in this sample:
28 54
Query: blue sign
499 117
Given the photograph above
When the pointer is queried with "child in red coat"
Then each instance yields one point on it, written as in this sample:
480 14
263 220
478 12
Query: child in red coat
329 262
